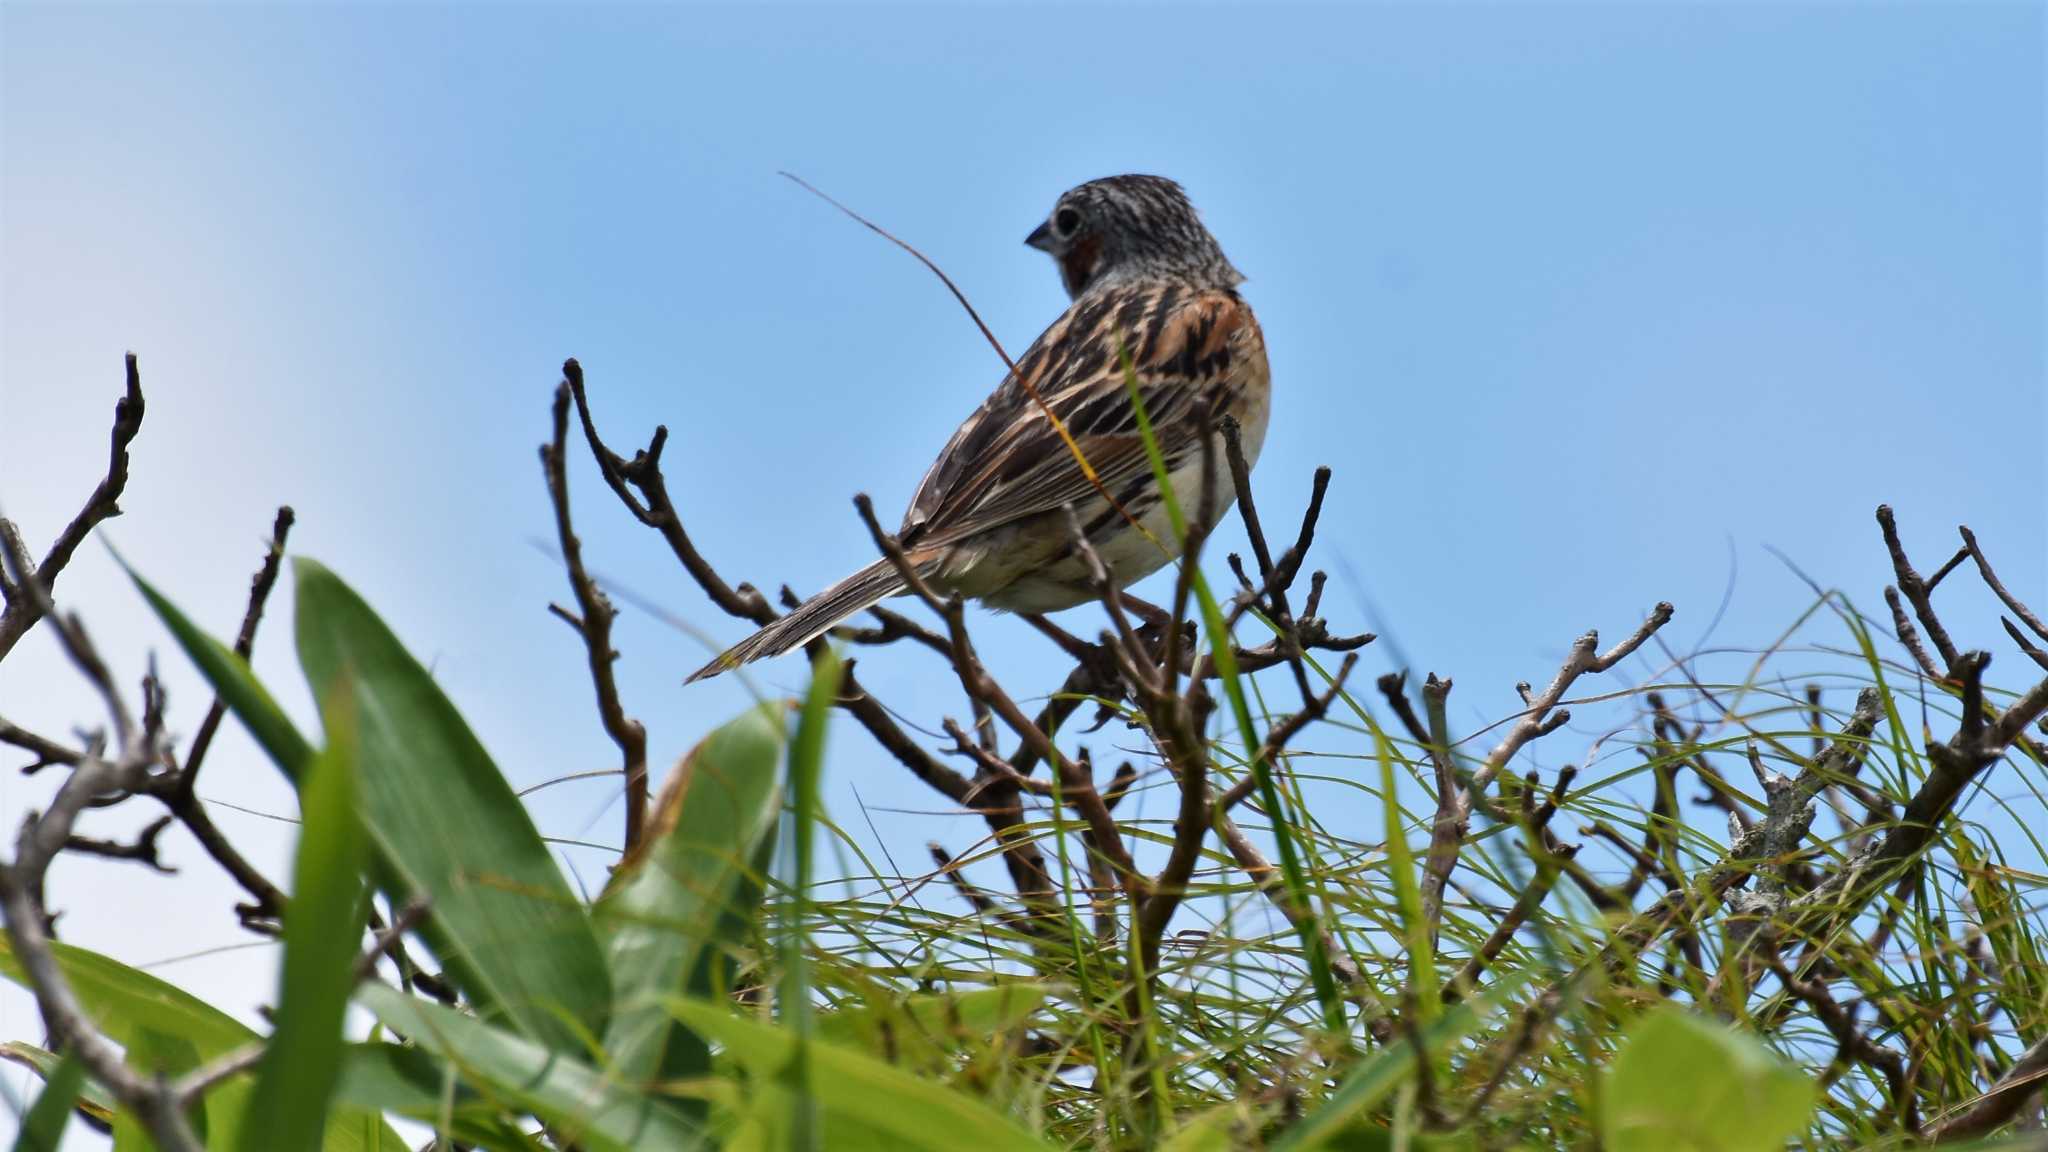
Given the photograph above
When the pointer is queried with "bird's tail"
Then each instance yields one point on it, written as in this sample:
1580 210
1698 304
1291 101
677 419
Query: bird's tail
857 593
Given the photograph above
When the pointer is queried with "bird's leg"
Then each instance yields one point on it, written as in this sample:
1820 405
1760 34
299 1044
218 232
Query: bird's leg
1157 621
1152 614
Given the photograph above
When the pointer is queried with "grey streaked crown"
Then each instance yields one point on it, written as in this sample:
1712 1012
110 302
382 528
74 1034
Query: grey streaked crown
1123 228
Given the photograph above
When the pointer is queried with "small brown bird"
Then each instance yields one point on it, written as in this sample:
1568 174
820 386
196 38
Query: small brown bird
1148 279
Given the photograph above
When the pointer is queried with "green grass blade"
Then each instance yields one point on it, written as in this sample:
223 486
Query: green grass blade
323 929
502 919
584 1106
43 1128
806 768
381 1077
925 1031
914 1113
1225 655
1083 978
92 1101
236 685
1376 1077
695 883
129 1005
1422 981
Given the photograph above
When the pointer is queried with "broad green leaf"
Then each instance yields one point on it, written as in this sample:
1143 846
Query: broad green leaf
43 1128
323 930
588 1108
921 1032
1375 1077
765 1126
857 1091
125 1004
381 1077
122 1000
93 1099
510 890
237 686
162 1056
1685 1082
695 878
503 921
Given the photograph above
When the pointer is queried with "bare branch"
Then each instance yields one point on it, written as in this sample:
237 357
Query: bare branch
245 646
1274 584
190 1087
657 511
142 850
1583 659
1525 906
25 605
1914 587
1853 1043
975 897
593 625
41 839
45 750
1453 807
2000 1104
1280 734
1992 582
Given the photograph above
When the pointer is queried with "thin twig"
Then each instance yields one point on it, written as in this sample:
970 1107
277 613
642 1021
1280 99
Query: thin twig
25 606
41 838
245 647
593 624
1914 587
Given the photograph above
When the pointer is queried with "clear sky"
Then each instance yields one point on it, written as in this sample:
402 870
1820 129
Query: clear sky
1588 307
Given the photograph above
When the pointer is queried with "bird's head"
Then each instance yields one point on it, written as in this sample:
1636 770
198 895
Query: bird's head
1123 228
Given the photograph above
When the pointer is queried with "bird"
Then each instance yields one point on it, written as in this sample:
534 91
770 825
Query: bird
989 521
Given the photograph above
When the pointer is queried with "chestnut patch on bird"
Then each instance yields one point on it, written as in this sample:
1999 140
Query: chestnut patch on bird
1078 263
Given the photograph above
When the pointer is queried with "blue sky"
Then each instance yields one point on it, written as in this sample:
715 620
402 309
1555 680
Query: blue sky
1587 306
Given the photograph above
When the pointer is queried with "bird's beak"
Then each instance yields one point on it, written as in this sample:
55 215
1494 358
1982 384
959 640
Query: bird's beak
1040 238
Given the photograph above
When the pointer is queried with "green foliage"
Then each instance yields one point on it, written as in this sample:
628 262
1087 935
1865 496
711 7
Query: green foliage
510 931
1376 1077
165 1029
163 1055
1415 930
236 684
43 1127
863 1103
444 824
698 1004
698 883
580 1101
322 930
407 1080
806 767
928 1032
1223 647
90 1099
1688 1084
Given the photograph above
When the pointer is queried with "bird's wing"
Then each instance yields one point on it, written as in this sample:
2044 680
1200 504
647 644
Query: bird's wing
1189 347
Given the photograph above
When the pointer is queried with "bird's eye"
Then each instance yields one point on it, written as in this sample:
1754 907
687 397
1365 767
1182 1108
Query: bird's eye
1066 221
